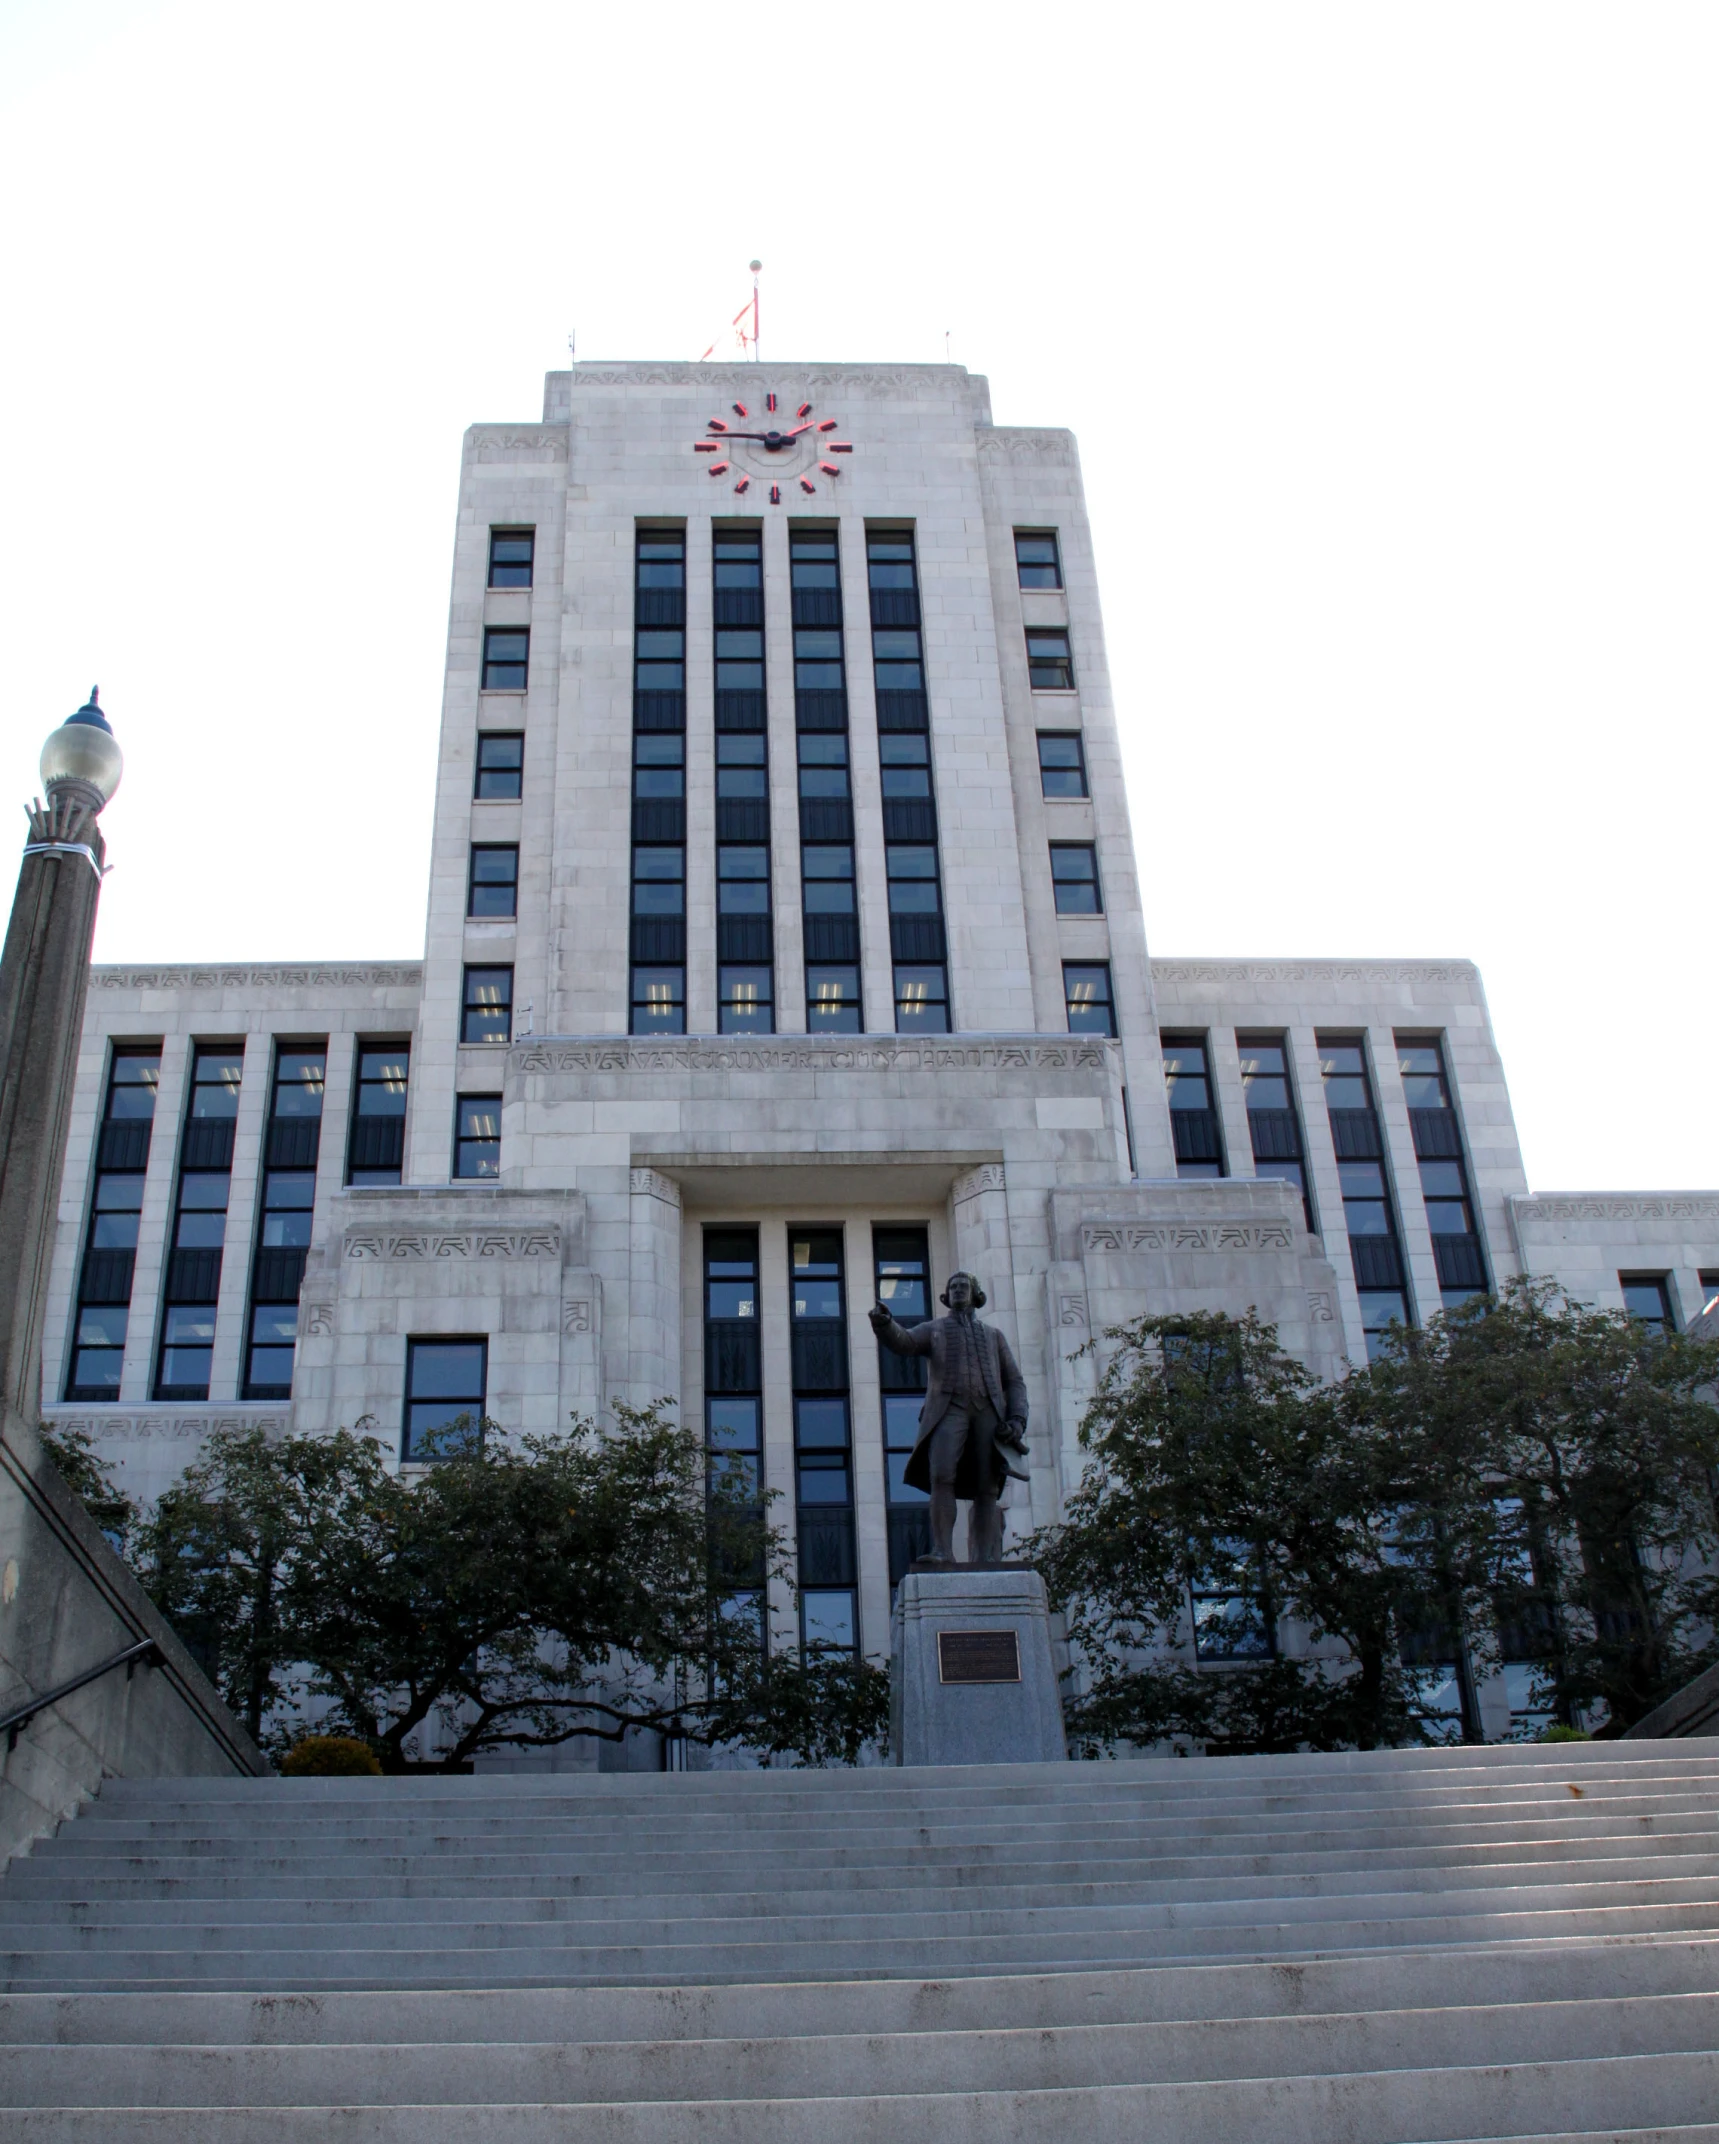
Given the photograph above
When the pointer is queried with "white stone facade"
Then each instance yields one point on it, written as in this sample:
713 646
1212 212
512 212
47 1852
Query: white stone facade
1045 1161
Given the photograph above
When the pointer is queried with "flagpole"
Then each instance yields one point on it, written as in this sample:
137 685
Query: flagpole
756 265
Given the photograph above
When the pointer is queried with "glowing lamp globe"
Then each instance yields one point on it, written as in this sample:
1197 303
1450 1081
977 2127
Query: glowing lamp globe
85 751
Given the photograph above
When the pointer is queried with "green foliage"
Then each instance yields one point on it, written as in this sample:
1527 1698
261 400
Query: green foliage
517 1592
82 1471
1566 1734
330 1757
1523 1466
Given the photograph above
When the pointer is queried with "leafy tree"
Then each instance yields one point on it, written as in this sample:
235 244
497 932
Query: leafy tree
518 1593
84 1473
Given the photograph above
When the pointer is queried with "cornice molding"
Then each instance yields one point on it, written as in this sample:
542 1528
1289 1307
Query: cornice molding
1315 971
1215 1237
430 1244
122 1422
357 976
811 1053
1012 443
829 379
1532 1206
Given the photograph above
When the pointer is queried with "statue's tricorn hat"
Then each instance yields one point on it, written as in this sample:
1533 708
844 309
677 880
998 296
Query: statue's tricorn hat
978 1293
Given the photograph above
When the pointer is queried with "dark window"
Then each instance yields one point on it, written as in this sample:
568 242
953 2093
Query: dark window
1074 878
741 774
913 879
487 1005
477 1135
494 887
734 1390
1375 1249
818 663
742 881
500 764
510 553
1232 1619
446 1390
505 651
921 1000
747 1004
1709 1289
103 1311
905 756
661 558
1086 992
833 1001
1273 1126
659 766
1648 1300
377 1147
823 1444
291 1146
1193 1119
659 1001
899 664
659 659
828 874
1062 763
1049 664
736 556
659 882
199 1233
1444 1180
824 766
739 659
901 1278
1036 560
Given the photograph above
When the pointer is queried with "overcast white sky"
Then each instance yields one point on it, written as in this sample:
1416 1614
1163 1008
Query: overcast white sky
1390 335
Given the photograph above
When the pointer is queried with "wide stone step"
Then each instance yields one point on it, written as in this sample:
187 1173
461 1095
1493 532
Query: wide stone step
842 2065
1587 2098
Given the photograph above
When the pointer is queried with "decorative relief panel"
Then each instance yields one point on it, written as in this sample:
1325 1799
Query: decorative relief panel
576 1315
540 443
1184 1236
988 1176
1027 445
466 1243
881 1054
651 1184
315 1320
1668 1207
1072 1311
353 978
110 1428
1320 1307
1314 971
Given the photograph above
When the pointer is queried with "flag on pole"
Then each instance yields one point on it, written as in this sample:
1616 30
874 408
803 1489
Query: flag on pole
743 327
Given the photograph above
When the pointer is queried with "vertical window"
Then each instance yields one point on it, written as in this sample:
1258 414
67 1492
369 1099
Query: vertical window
823 1446
446 1395
494 885
1193 1119
1647 1298
510 557
500 765
1374 1246
1709 1289
1050 667
487 1013
1273 1127
199 1225
1074 878
1062 764
658 922
901 1276
1232 1621
1444 1177
477 1135
291 1146
919 945
1086 992
505 653
103 1311
734 1396
1037 562
830 917
745 934
376 1147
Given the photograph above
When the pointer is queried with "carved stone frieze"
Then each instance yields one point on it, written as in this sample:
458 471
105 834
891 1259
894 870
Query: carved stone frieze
882 1053
517 442
854 379
988 1176
1665 1206
576 1315
1186 1236
421 1244
652 1184
356 977
1023 444
124 1424
1314 971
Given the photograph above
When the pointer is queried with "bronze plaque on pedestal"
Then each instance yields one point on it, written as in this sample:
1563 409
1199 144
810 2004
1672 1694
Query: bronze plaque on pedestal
978 1656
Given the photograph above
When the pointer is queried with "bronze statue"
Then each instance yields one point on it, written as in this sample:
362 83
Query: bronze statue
975 1413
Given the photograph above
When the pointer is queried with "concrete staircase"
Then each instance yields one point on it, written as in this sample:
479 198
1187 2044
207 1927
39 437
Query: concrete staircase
1372 1949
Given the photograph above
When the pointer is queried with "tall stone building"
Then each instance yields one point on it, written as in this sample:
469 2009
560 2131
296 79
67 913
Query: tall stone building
784 950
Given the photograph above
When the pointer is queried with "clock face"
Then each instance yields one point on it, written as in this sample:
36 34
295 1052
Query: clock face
759 447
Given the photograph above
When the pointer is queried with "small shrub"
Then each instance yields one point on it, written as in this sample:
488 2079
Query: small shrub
1566 1734
331 1757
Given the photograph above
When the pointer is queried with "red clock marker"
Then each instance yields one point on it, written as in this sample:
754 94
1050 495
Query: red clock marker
840 446
769 401
705 446
806 484
828 425
804 410
719 468
739 409
775 494
829 468
744 481
716 425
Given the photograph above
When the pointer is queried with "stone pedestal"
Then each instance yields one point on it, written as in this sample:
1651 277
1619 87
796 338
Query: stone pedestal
971 1680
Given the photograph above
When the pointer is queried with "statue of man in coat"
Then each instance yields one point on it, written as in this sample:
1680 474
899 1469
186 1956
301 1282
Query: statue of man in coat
975 1414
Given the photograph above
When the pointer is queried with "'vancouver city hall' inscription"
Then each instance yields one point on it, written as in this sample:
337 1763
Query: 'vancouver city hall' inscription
978 1656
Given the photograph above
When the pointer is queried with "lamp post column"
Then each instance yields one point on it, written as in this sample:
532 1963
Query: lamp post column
44 976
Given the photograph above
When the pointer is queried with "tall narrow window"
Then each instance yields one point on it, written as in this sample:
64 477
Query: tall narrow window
830 914
199 1225
1273 1126
1037 562
505 655
500 766
745 934
919 945
1374 1246
446 1396
487 1013
658 921
376 1147
110 1242
1062 764
510 557
1193 1118
734 1398
1647 1298
1086 989
1709 1290
901 1272
1444 1176
477 1135
291 1145
494 886
1074 878
1050 667
823 1445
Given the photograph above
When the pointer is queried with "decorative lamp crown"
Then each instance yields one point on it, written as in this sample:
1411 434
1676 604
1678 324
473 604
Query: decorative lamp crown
83 752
